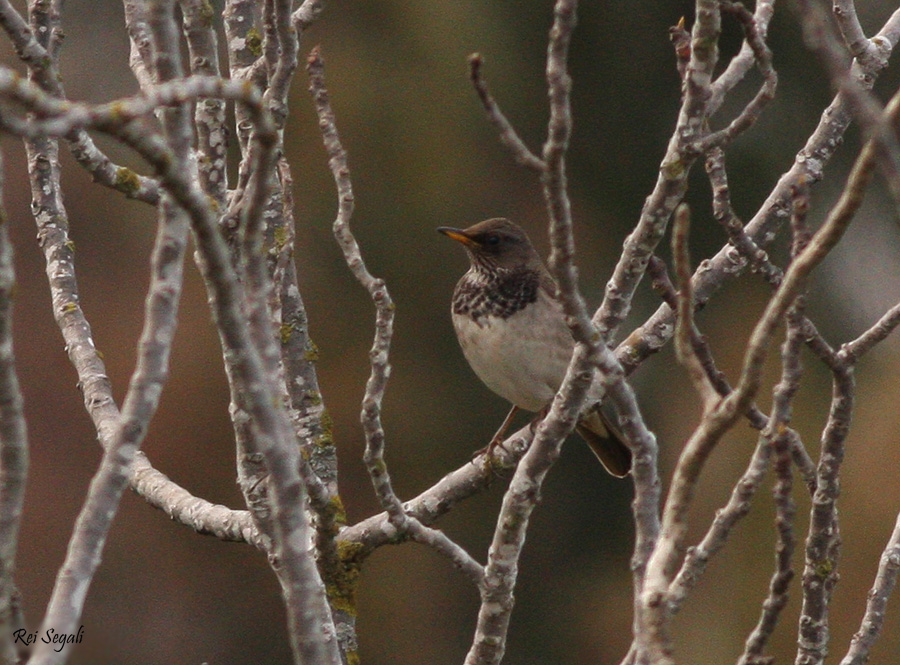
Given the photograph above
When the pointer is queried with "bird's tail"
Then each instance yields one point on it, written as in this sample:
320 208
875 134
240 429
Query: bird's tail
605 440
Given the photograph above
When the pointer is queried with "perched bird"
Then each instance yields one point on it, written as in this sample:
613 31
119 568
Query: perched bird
513 332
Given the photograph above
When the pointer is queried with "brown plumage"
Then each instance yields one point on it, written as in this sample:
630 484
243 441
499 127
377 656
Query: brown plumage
513 332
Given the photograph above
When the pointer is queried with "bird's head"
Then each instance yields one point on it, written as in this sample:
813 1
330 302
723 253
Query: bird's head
496 243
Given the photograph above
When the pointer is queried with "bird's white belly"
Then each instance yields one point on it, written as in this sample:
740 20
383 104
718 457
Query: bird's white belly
518 359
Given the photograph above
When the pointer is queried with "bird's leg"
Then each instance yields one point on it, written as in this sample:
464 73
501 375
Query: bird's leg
497 439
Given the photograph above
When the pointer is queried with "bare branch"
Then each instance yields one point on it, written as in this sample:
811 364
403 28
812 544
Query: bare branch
384 322
661 566
809 165
851 352
823 540
860 47
820 38
441 543
820 245
669 190
776 435
724 214
745 489
556 195
876 606
507 133
684 347
763 57
32 52
154 348
42 68
244 42
672 180
307 13
758 420
738 506
784 550
148 483
121 178
281 55
310 626
745 59
193 512
209 115
521 497
384 306
757 258
442 497
287 461
518 504
112 477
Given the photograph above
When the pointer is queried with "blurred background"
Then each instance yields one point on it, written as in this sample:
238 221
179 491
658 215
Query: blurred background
422 155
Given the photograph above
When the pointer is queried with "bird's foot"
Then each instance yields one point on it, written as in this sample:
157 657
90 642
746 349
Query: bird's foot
488 457
488 450
490 460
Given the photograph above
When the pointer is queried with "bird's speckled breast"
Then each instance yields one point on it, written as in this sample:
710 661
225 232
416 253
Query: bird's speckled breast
520 352
480 293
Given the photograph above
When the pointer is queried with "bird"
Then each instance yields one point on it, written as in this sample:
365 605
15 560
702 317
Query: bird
513 331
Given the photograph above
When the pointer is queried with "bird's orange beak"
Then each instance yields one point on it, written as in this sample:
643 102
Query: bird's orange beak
458 235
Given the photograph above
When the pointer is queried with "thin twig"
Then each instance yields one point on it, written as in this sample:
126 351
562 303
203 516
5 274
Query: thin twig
820 572
784 550
821 244
384 306
518 504
507 133
819 36
851 352
776 435
737 507
809 164
766 93
553 178
676 164
379 354
684 347
756 257
741 64
653 641
42 69
724 215
876 605
662 564
145 388
744 491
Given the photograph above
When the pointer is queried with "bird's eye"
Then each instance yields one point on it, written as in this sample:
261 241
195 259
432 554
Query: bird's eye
492 239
